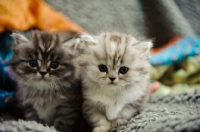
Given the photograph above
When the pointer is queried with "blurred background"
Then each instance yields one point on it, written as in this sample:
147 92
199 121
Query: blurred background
159 19
173 25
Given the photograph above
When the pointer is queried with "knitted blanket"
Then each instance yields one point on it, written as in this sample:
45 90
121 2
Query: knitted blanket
171 113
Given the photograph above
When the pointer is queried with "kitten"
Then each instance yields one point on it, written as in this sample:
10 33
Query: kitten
47 86
115 75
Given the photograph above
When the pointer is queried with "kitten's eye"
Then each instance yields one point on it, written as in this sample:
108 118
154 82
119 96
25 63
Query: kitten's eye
103 68
54 64
33 63
123 70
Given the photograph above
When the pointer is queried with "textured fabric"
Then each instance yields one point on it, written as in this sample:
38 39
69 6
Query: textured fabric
5 56
24 126
6 98
177 52
172 113
186 71
157 19
27 14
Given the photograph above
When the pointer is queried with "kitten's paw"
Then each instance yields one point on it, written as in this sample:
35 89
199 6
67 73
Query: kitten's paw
101 129
119 122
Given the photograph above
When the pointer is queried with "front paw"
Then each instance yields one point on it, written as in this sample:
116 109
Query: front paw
119 122
101 129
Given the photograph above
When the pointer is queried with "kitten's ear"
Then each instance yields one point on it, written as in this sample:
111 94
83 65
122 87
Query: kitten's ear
19 37
87 42
76 46
144 47
88 39
72 46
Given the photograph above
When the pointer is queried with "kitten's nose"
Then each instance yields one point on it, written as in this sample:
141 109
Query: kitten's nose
112 78
43 73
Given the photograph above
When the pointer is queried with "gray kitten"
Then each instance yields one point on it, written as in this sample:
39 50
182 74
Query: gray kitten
115 76
47 86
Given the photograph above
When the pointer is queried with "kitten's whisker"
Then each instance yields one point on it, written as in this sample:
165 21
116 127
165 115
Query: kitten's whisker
51 83
51 88
59 81
54 76
60 86
54 84
27 82
57 86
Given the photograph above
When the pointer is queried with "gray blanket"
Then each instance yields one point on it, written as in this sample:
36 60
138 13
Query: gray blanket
172 113
158 19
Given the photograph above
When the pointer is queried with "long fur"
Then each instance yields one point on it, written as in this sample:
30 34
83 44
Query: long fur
109 104
55 99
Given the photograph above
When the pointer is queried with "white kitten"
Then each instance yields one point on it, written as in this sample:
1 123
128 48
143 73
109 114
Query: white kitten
115 75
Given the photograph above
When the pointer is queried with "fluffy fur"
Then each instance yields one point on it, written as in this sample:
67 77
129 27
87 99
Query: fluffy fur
112 97
45 72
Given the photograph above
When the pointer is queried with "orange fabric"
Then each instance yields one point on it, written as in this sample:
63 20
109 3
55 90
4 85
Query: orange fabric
26 14
172 41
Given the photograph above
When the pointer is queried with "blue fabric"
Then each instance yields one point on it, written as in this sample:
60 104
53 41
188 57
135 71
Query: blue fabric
5 56
177 52
6 98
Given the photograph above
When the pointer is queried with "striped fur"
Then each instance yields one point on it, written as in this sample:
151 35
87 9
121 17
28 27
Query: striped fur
55 97
112 103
